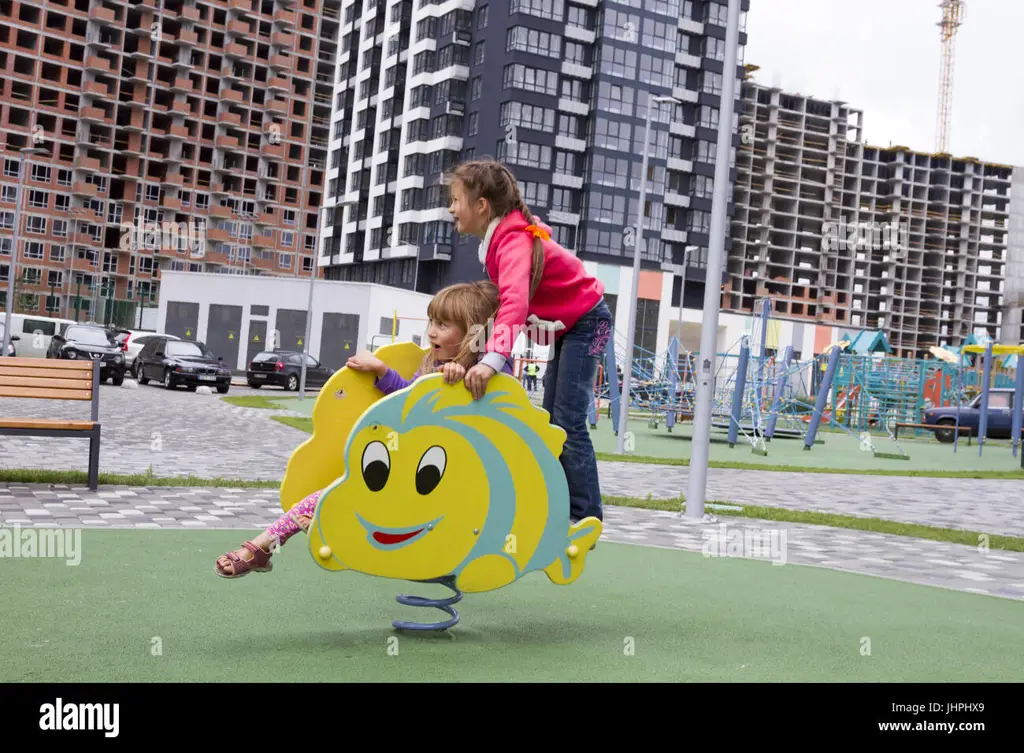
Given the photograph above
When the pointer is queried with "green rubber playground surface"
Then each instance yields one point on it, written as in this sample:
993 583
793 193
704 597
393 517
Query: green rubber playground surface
146 606
839 450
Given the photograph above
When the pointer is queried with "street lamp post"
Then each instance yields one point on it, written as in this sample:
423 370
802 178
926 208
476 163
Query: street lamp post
627 372
22 162
697 480
309 305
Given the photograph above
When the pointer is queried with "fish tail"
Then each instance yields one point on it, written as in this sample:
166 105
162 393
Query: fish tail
569 565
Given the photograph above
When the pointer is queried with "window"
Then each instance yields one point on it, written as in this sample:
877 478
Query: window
527 116
8 193
998 400
522 153
478 53
523 39
659 36
481 17
717 14
553 9
714 48
476 88
711 83
616 61
577 53
531 79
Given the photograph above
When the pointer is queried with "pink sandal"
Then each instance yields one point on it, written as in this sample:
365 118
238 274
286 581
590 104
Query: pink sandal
259 563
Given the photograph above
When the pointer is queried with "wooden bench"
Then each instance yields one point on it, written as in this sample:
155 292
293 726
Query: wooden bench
53 379
931 427
430 486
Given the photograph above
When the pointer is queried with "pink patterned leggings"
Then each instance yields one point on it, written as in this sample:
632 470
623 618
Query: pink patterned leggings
285 527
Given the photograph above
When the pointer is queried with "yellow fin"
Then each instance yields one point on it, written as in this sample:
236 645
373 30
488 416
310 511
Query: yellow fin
319 461
582 536
486 573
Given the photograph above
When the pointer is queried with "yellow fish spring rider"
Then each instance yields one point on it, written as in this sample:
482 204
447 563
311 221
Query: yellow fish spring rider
429 485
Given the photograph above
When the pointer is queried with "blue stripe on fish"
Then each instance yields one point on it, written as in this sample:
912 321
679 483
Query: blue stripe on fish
501 508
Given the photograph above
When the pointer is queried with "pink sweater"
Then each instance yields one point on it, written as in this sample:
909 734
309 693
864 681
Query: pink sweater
566 291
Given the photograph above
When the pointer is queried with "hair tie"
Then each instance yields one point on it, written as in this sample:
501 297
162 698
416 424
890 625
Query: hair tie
538 232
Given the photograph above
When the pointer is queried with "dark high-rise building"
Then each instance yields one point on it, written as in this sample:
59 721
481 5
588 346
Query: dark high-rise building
556 89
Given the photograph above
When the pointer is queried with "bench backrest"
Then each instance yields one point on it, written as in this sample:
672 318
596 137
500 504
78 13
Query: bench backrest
51 379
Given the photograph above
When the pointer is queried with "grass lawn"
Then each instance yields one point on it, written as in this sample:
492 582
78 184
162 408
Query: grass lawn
146 606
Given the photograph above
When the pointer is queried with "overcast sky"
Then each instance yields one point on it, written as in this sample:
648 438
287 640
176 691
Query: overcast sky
883 57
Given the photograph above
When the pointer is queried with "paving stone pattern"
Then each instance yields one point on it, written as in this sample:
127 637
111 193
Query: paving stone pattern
180 432
990 572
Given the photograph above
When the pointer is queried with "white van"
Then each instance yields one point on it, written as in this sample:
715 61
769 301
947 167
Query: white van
35 333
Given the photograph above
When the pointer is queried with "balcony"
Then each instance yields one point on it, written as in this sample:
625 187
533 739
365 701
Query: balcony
177 132
104 16
242 7
135 123
231 95
170 203
283 39
87 164
174 180
92 114
182 84
226 117
96 89
189 38
285 17
235 51
221 211
277 106
278 83
238 27
96 63
227 142
81 188
217 235
272 151
281 62
188 14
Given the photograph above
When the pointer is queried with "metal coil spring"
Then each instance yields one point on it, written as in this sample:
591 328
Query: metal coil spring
445 605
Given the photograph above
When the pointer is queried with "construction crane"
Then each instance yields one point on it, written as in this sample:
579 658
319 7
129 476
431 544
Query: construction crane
952 17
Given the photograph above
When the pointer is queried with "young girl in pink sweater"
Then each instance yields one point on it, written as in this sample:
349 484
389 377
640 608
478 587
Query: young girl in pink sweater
545 291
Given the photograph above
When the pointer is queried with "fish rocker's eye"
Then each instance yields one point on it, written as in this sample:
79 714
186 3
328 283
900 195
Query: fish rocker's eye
430 470
376 466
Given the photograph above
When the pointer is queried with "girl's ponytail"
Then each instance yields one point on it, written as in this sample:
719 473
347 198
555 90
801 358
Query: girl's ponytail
537 261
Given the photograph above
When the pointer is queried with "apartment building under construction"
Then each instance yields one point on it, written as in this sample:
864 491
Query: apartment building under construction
837 231
179 134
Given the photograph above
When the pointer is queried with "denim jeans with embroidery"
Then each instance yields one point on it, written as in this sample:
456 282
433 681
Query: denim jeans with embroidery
568 392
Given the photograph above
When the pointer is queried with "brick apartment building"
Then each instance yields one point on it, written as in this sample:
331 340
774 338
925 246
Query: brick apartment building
201 124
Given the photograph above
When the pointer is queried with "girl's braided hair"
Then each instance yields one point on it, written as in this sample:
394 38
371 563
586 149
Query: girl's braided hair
491 180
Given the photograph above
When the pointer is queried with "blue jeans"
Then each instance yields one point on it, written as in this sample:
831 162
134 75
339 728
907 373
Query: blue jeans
568 391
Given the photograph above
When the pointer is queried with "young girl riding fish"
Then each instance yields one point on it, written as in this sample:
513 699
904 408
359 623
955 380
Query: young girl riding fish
544 290
456 314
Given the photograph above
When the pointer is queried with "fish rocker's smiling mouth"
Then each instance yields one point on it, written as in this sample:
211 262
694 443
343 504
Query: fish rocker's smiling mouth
395 538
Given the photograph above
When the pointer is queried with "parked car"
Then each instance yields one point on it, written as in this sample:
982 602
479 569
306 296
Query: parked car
11 350
1000 416
35 333
132 341
172 362
90 342
284 369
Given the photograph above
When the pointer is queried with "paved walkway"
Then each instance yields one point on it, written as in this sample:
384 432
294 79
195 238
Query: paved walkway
966 568
179 433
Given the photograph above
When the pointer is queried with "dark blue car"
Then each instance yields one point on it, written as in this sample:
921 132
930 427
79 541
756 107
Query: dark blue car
1000 416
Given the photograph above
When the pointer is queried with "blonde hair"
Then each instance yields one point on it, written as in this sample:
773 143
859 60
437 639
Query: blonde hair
470 306
491 180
